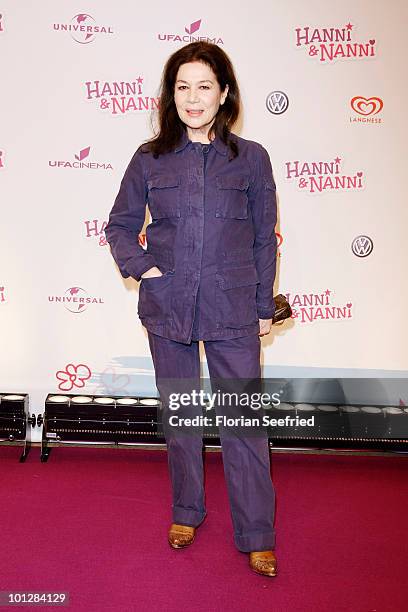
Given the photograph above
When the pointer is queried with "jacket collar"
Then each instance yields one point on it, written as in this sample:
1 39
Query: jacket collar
217 143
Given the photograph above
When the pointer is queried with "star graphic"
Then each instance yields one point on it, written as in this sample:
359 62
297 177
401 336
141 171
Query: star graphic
139 80
327 292
337 160
349 26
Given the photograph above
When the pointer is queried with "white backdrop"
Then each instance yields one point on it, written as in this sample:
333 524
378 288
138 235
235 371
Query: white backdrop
62 156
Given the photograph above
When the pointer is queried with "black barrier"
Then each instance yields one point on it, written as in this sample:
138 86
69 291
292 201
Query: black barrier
339 412
298 412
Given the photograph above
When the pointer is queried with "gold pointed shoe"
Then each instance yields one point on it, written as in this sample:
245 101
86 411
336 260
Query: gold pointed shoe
264 562
181 536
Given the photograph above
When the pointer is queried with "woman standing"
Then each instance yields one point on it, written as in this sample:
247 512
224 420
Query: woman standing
207 274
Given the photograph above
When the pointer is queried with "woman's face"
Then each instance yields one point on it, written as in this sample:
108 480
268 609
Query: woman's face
197 96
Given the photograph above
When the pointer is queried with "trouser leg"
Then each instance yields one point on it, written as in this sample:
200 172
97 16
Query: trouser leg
246 457
177 369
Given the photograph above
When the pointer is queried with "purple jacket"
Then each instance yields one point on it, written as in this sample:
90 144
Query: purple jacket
214 230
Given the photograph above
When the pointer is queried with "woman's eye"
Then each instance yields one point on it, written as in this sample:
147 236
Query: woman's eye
180 87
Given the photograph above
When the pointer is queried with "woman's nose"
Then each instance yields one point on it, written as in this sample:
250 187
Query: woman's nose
193 96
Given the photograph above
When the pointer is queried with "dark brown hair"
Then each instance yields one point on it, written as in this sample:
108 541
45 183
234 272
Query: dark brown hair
171 128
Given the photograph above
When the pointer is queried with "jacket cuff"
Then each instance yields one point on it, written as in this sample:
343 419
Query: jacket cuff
139 265
266 313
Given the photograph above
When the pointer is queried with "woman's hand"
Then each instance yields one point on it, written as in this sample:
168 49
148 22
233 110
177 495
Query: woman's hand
152 272
265 326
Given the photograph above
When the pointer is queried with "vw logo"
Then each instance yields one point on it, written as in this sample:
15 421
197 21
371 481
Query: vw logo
277 102
362 246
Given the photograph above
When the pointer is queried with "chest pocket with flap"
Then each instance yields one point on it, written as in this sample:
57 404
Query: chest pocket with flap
232 197
164 196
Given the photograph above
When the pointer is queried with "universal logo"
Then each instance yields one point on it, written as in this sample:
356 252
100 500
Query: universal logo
78 162
362 246
277 102
366 108
322 176
75 299
330 44
120 97
310 307
2 295
188 36
83 28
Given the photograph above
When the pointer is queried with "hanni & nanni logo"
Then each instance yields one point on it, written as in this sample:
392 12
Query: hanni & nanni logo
322 176
120 97
330 44
96 229
310 307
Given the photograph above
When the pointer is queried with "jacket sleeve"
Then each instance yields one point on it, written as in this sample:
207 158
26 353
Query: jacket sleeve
262 195
126 220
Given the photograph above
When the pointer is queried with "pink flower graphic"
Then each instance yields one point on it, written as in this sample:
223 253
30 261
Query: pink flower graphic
193 27
73 376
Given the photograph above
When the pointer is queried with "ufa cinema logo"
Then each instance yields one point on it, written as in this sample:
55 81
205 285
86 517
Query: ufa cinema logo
80 161
120 97
321 176
188 36
310 307
83 28
330 44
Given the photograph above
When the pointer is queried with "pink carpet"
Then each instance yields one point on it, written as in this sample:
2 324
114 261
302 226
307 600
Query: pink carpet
94 522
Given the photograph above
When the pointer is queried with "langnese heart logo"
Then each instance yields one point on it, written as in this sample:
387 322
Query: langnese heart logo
366 106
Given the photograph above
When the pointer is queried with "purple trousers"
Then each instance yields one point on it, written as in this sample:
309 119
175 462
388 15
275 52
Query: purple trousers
246 458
